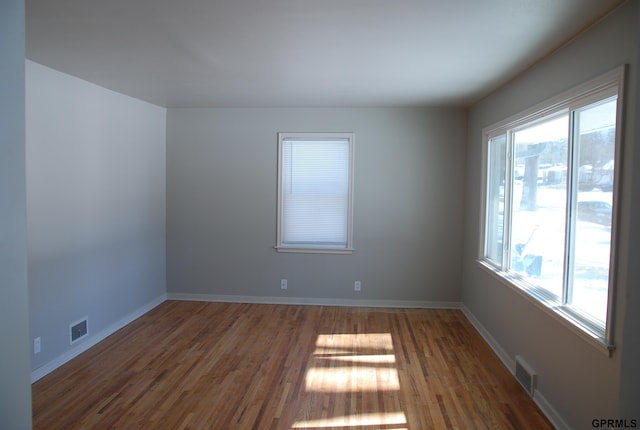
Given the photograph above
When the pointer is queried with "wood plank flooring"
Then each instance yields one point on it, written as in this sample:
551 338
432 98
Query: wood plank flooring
199 365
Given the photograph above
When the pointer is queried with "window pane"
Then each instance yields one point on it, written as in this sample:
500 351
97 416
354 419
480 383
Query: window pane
539 203
315 191
494 227
595 145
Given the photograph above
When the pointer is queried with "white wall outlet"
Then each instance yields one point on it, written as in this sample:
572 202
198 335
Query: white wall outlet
283 284
357 286
36 345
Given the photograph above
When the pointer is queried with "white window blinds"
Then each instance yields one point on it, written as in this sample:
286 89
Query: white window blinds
315 191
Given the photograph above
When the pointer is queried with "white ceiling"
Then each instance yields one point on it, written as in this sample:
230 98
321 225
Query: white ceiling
272 53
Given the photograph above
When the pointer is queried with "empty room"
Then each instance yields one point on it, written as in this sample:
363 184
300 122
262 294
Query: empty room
294 214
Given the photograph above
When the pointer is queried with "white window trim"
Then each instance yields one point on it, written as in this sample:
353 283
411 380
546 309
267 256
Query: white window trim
613 80
307 248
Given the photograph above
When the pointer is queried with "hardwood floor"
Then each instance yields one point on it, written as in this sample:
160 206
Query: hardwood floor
199 365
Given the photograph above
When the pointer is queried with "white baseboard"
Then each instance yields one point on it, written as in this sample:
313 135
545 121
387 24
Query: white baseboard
547 409
313 301
94 339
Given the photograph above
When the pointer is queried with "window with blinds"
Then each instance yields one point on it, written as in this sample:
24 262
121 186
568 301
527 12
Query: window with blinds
315 173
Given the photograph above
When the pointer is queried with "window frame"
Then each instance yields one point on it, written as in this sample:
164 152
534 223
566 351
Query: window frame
607 85
281 245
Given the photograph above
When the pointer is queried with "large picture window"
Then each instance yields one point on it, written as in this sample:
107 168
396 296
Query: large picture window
315 192
550 199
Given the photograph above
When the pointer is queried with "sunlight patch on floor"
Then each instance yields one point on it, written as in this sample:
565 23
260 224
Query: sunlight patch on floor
388 418
359 362
352 379
356 343
365 359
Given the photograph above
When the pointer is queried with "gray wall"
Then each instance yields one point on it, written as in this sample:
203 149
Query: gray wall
578 380
221 205
95 206
15 389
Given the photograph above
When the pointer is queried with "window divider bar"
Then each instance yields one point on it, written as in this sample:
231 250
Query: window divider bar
572 193
508 198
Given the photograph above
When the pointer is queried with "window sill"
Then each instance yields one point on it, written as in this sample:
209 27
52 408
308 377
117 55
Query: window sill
557 311
313 250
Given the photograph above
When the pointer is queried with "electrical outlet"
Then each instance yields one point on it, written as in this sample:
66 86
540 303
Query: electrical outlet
283 284
357 286
36 345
